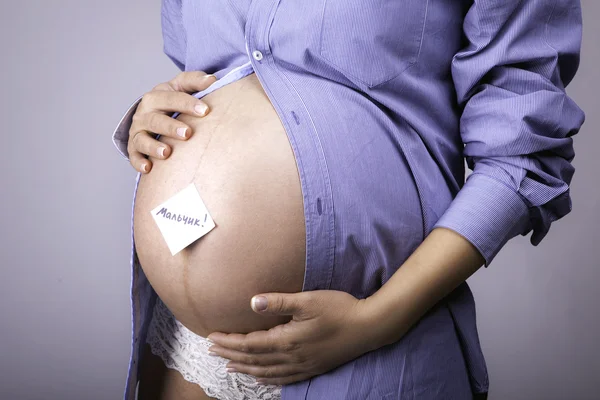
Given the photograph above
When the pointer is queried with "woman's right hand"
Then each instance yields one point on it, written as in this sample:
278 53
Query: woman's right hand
151 117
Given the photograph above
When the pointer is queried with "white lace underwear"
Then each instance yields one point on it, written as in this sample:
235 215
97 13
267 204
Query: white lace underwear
186 352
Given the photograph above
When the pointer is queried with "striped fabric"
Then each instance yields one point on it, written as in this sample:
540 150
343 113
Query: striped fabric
382 100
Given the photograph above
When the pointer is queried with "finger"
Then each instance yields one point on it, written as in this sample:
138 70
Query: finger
139 162
250 358
268 371
253 342
285 380
143 143
192 81
162 124
165 86
280 303
163 101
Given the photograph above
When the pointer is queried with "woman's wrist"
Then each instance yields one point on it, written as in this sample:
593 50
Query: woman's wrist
442 262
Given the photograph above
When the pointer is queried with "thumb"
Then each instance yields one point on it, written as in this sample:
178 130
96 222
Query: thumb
192 81
277 303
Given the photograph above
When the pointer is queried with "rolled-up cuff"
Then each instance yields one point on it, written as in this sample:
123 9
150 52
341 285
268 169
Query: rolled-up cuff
487 213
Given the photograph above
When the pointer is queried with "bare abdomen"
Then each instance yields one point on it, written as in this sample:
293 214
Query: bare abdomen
241 161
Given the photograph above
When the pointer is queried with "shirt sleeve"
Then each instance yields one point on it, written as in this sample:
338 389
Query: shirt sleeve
517 121
174 46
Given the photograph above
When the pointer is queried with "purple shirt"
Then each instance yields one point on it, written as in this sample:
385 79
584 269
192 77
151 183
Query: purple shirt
381 100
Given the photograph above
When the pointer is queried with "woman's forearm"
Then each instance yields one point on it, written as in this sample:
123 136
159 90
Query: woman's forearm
442 262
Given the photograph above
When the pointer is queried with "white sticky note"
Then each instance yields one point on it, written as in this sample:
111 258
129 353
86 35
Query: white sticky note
183 219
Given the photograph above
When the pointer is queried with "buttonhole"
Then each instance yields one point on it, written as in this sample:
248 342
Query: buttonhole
296 118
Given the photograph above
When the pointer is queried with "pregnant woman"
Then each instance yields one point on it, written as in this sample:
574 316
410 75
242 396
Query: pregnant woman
328 148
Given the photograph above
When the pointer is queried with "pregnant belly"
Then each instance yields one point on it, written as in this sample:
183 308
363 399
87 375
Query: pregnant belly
241 162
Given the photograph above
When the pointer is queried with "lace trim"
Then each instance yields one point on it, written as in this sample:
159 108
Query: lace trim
186 352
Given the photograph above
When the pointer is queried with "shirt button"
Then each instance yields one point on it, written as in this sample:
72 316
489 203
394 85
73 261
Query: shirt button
257 55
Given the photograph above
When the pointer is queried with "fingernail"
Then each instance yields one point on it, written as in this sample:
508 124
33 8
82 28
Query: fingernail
230 370
209 75
144 168
181 132
259 303
161 151
212 353
201 109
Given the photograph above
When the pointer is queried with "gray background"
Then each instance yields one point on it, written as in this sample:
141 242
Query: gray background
69 69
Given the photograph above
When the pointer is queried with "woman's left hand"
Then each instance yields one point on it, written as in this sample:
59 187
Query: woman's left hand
328 328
